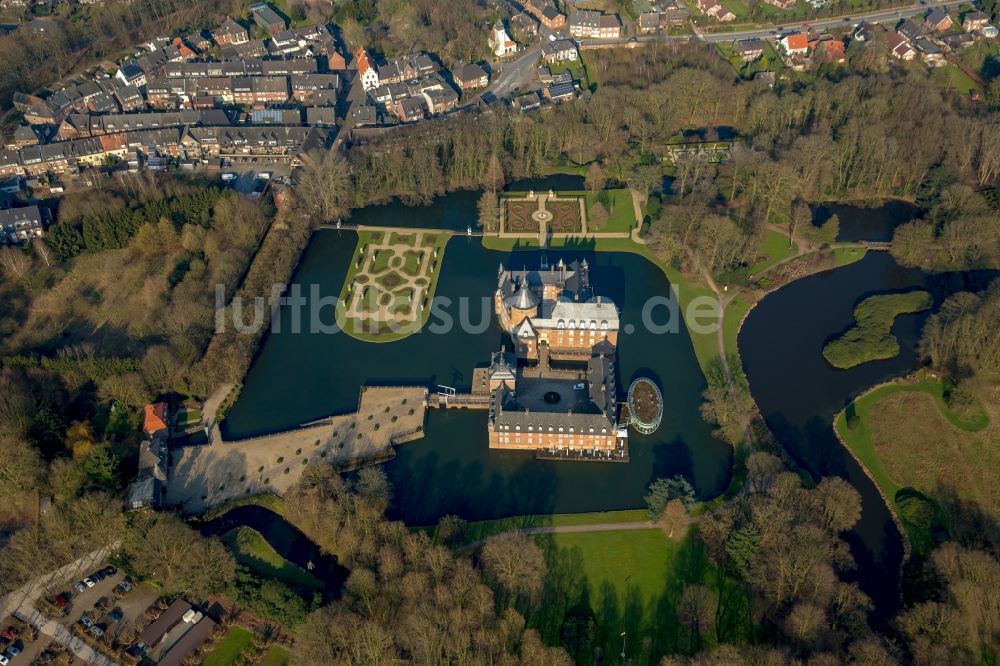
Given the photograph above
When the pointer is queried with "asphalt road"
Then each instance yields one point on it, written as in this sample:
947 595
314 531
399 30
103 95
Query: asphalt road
880 16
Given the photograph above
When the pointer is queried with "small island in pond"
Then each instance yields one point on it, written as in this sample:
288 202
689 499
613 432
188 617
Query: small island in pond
871 338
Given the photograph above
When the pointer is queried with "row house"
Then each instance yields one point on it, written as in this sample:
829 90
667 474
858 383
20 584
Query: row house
523 27
545 11
131 75
470 77
406 69
247 67
588 24
61 156
79 125
230 32
253 48
305 86
260 89
667 15
198 42
249 141
130 98
20 225
276 117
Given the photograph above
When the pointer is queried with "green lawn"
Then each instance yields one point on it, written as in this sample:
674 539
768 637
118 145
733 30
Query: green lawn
228 650
621 213
959 80
736 309
643 558
858 438
845 255
275 656
775 249
266 500
252 550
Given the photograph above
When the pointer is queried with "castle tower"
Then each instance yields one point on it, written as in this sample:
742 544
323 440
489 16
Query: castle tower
523 305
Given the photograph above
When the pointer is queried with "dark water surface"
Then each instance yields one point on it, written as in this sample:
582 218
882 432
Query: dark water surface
299 377
799 392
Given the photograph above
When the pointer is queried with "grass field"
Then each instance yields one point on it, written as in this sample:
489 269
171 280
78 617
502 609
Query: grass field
906 436
959 80
252 550
275 656
845 255
621 213
266 500
776 248
228 650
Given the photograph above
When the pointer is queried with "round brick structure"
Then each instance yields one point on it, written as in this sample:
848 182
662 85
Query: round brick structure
645 406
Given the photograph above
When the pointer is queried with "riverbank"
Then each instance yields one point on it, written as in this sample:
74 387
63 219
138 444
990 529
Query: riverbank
936 449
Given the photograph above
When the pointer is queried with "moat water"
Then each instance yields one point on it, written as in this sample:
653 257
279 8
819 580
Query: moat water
299 377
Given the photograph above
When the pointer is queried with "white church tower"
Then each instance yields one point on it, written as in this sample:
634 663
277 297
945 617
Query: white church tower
500 42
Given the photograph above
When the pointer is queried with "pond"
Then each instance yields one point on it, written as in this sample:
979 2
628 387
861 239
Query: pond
299 377
799 393
870 223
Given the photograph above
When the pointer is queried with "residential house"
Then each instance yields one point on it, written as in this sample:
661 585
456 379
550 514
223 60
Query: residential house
500 42
795 43
198 42
561 50
865 31
958 42
560 92
975 21
103 103
323 116
546 12
830 50
440 99
782 4
305 86
230 32
20 225
276 117
268 19
406 69
252 48
409 109
930 52
366 70
527 102
470 77
523 27
363 114
912 30
130 99
131 75
669 15
335 61
899 46
938 20
154 423
24 135
150 485
585 23
714 9
749 49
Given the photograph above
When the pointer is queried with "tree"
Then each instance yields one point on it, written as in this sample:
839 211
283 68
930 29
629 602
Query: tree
662 491
325 186
100 471
15 262
731 408
696 612
595 180
163 548
489 212
516 562
597 216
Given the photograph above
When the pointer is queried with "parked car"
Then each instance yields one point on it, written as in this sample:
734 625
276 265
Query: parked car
89 582
116 615
45 657
4 660
10 633
86 621
109 570
62 600
12 651
124 586
97 630
97 576
80 587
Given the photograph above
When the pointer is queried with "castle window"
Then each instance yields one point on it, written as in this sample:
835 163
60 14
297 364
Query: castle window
560 324
529 428
604 431
593 325
517 427
571 428
560 428
550 428
591 429
604 325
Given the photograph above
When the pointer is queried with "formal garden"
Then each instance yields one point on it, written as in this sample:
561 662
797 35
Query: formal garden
391 280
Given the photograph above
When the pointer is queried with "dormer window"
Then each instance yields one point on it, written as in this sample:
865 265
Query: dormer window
604 325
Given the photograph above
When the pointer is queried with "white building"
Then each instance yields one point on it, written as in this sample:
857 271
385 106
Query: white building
367 71
500 42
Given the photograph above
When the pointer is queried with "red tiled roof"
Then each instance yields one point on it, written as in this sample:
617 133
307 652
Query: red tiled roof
155 418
